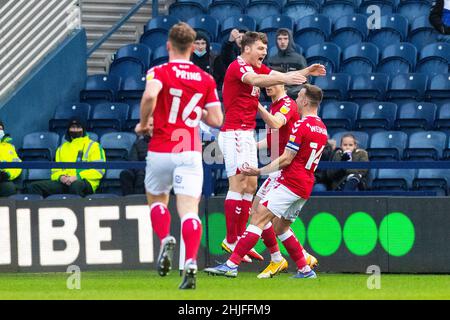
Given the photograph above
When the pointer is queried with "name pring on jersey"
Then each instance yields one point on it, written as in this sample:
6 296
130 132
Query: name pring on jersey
186 75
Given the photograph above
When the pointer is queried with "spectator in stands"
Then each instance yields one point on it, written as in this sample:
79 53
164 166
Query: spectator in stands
440 19
287 59
348 179
7 154
132 180
202 56
78 147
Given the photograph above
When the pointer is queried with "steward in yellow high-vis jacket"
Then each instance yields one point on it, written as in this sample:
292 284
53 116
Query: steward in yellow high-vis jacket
77 148
7 154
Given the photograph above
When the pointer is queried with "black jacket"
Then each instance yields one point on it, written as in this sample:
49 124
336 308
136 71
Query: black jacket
204 62
436 18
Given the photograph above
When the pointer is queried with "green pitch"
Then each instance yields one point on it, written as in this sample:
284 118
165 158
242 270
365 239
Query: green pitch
148 285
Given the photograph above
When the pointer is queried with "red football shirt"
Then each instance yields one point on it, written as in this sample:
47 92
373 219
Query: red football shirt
240 100
308 138
278 138
186 91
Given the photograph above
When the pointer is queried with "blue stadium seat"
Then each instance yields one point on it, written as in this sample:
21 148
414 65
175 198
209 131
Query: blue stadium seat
215 48
376 115
311 30
362 138
398 58
368 86
161 23
103 196
434 58
415 115
39 146
326 53
117 145
438 87
206 24
63 196
131 60
348 30
64 112
34 175
335 9
299 9
437 180
133 119
387 7
262 8
270 25
442 122
411 9
339 114
360 58
154 38
334 85
160 56
223 9
426 145
131 89
394 179
244 22
422 32
108 117
184 10
26 197
407 86
387 145
110 184
100 88
394 29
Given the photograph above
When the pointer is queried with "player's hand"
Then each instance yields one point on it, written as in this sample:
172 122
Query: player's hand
295 78
141 130
317 70
250 171
234 34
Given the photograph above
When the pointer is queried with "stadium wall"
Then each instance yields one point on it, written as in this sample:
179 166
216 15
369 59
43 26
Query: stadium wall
397 235
58 78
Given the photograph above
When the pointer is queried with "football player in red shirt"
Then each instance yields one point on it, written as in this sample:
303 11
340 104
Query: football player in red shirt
178 95
282 204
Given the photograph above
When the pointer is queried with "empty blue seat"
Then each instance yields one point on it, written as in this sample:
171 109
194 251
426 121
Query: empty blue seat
102 196
131 60
34 175
100 88
262 8
223 9
387 145
110 184
442 122
377 115
184 10
369 86
108 117
407 86
63 196
311 30
434 58
422 32
39 146
394 29
360 58
335 9
339 114
117 145
132 89
242 22
154 38
64 112
416 115
411 9
161 23
394 179
300 9
270 25
386 6
437 180
26 197
207 24
398 58
362 138
438 87
426 145
160 56
348 30
326 53
334 85
133 119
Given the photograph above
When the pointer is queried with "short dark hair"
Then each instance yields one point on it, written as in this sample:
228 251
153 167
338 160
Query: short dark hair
182 36
250 37
282 32
349 135
313 93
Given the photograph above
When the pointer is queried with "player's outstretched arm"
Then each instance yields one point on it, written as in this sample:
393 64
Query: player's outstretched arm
148 103
274 78
279 163
316 70
275 121
213 116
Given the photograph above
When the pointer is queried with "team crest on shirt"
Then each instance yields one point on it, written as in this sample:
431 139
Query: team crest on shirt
178 179
150 75
292 138
285 109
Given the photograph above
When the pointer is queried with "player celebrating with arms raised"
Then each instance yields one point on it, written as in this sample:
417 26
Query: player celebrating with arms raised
282 204
178 95
236 140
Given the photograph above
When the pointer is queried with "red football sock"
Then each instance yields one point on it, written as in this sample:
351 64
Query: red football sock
191 229
246 243
160 217
246 206
232 211
270 239
294 248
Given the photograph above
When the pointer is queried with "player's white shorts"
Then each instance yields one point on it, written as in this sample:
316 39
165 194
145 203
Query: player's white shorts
283 203
183 171
238 147
268 184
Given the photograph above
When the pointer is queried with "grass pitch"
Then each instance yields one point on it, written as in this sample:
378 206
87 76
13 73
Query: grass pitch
148 285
